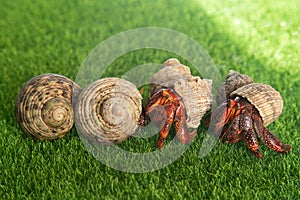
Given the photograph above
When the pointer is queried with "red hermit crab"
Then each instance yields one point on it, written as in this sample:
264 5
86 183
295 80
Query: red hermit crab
249 108
177 97
166 106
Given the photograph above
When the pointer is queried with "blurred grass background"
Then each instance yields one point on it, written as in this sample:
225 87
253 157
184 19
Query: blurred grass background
258 38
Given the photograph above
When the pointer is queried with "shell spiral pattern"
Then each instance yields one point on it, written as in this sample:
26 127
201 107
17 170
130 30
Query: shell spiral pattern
234 80
108 110
43 106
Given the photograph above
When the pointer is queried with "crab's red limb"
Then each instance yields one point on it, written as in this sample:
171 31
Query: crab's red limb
223 114
232 110
154 101
165 101
164 131
233 134
267 137
142 90
165 107
249 134
218 118
251 142
181 127
180 124
272 142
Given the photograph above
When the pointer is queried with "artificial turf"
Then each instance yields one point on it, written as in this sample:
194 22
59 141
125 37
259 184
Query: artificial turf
259 39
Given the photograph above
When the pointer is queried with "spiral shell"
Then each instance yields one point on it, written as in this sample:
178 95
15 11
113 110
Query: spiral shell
108 110
234 80
43 106
195 92
266 100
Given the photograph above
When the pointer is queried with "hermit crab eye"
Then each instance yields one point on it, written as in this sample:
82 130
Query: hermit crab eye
237 98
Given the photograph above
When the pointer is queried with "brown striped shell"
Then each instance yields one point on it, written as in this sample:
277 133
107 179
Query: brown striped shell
266 100
234 80
108 110
43 107
195 92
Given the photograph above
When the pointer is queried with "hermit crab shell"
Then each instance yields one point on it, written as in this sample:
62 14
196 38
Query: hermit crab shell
234 80
43 106
171 71
266 100
108 110
195 92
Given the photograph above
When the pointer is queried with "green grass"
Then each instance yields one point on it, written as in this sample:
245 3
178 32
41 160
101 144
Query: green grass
259 39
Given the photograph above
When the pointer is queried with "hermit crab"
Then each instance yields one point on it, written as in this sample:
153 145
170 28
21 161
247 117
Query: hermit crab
248 109
177 97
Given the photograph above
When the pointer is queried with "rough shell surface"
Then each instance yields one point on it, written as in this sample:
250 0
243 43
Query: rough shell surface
234 80
171 71
43 106
197 98
195 92
266 99
108 110
171 62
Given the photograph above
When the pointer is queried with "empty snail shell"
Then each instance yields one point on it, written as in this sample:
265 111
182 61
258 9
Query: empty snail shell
108 110
265 98
195 92
43 106
234 80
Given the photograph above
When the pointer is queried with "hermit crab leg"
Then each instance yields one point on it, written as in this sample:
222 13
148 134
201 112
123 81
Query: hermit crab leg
251 142
181 127
223 113
218 118
170 110
233 134
272 142
249 134
155 100
268 138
